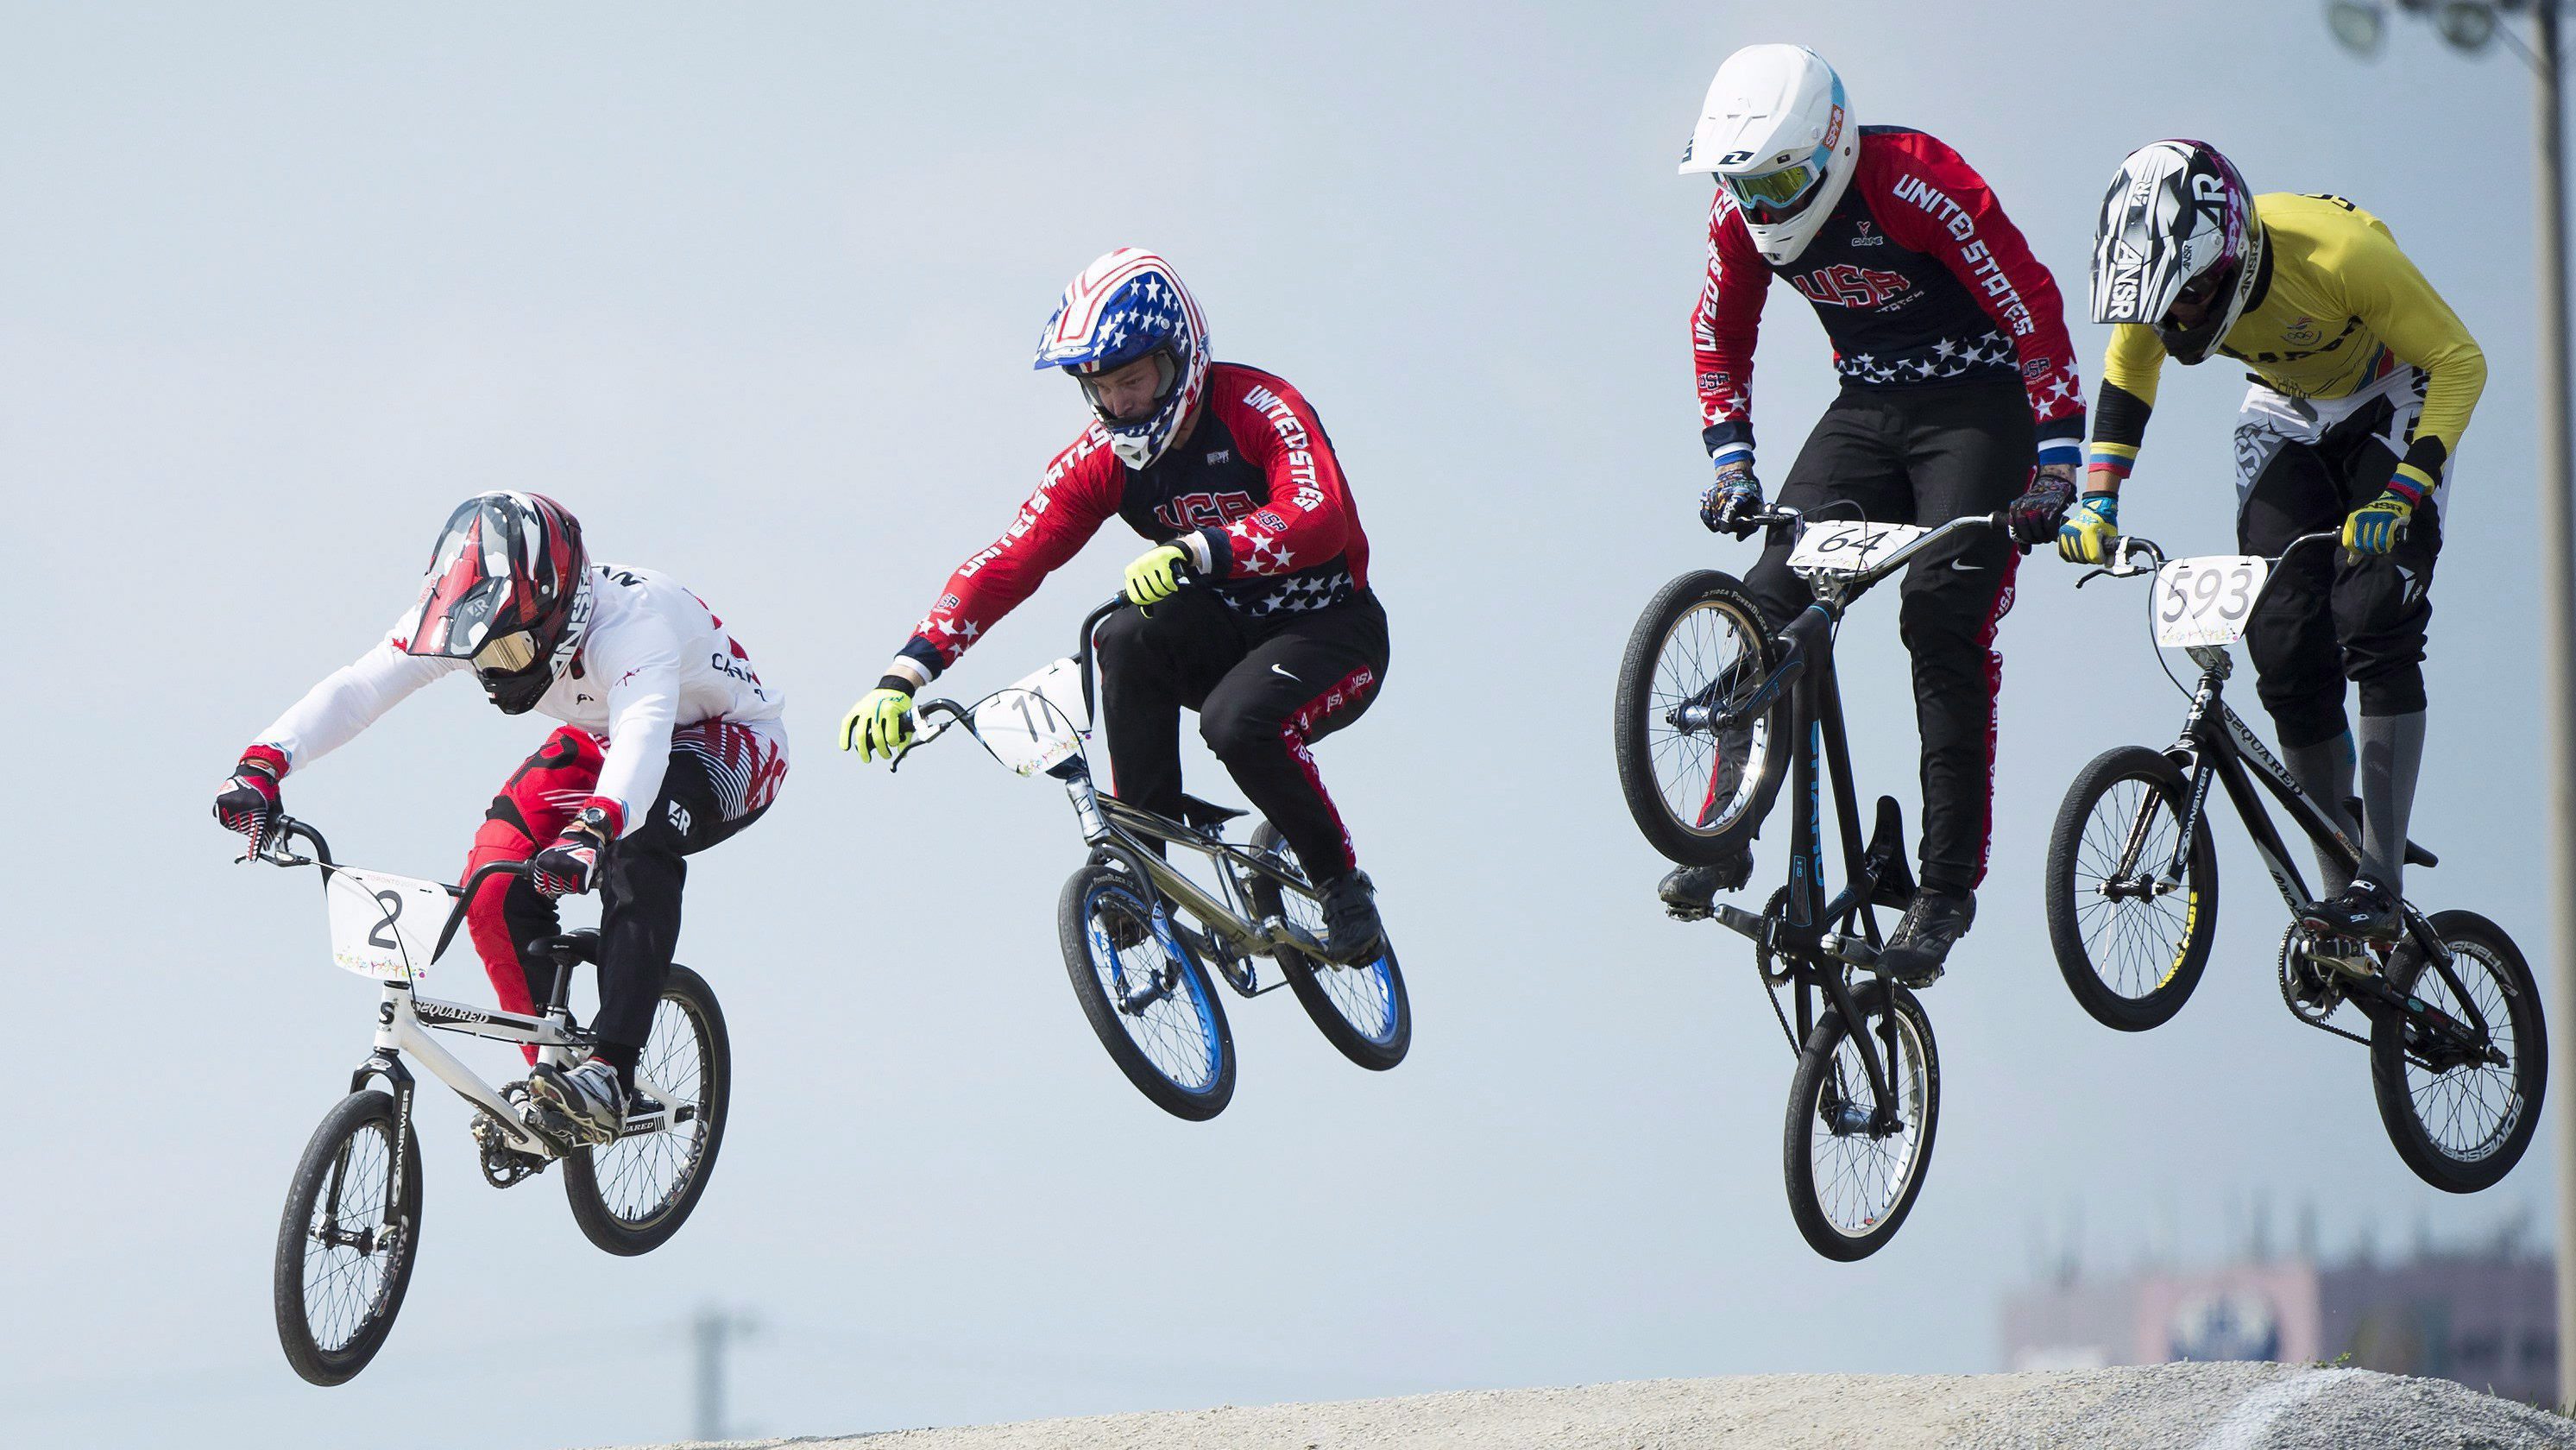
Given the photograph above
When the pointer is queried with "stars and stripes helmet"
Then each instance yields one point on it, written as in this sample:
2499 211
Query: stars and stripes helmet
1128 305
2177 224
509 590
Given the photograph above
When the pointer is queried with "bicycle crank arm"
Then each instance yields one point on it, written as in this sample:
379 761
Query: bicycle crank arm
1749 924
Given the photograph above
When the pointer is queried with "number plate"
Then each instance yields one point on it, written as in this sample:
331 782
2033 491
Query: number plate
2206 601
382 926
1848 546
1035 723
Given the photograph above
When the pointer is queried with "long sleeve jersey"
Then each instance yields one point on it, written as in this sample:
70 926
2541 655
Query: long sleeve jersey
2336 306
654 658
1918 277
1254 493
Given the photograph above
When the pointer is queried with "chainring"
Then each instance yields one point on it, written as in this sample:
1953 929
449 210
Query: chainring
1773 974
2311 988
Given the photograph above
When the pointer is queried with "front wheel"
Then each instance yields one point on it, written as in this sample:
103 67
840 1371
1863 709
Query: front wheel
1361 1010
1148 999
1854 1172
631 1195
2461 1121
1696 791
347 1241
2130 944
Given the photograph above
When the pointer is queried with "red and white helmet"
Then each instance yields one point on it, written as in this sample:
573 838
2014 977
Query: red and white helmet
508 589
1778 132
2178 224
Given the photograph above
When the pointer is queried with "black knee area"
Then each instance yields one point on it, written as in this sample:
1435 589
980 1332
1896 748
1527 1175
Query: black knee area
1121 639
1232 732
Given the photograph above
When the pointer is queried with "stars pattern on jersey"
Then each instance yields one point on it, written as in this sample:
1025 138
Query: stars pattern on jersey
1939 357
1302 594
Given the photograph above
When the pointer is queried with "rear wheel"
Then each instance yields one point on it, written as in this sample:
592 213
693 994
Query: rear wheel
2131 951
1696 792
1148 999
2462 1119
1853 1176
631 1195
347 1241
1361 1010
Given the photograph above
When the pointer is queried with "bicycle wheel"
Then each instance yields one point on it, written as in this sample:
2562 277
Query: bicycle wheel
630 1196
1361 1010
2462 1126
347 1241
1850 1187
2131 958
1696 793
1153 1010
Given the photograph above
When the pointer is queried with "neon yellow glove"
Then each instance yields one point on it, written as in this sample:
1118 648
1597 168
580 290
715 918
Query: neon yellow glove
2088 532
2376 526
1152 578
880 724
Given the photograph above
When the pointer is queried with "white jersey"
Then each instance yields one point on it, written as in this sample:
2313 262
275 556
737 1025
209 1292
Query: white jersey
654 658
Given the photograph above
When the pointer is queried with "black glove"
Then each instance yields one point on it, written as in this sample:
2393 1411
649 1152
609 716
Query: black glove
249 802
570 867
2037 514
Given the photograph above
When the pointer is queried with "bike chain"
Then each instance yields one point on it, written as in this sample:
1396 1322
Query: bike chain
2293 954
503 1165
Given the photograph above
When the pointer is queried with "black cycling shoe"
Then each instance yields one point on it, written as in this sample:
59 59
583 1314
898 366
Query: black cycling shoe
1934 921
1353 935
2364 909
1688 891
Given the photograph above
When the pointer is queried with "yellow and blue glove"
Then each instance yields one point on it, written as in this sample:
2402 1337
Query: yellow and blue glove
2085 537
2375 527
881 723
1156 574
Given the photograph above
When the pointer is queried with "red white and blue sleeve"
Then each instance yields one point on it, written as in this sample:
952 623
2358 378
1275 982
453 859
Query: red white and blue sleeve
1079 493
1930 199
1308 518
1724 327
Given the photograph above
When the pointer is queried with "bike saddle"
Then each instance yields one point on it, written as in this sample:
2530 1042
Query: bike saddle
575 946
1201 815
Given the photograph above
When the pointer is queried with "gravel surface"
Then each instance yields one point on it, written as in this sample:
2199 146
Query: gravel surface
2150 1407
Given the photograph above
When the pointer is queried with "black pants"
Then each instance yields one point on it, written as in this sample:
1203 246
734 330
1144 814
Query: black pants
1264 692
2324 619
641 877
1927 455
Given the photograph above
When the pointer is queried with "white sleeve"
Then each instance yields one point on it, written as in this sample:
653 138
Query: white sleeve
643 705
350 699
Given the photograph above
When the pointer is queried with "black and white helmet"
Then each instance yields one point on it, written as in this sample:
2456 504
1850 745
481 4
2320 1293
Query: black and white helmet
2178 224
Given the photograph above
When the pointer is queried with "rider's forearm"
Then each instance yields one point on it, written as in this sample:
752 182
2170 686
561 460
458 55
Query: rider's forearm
349 700
2119 426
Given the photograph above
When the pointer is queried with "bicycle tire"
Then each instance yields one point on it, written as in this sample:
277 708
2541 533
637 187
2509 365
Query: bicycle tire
1382 1032
1097 888
2481 952
1644 695
687 1039
1819 1089
2085 927
330 1155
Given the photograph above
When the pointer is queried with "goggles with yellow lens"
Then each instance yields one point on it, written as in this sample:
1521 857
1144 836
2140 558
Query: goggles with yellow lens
507 654
1775 195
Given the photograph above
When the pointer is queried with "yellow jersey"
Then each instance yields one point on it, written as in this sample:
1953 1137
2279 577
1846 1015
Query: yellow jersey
2335 308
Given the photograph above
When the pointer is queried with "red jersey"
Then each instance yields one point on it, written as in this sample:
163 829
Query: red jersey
1918 277
1254 493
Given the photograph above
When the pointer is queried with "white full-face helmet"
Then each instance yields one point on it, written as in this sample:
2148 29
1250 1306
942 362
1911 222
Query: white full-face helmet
1778 133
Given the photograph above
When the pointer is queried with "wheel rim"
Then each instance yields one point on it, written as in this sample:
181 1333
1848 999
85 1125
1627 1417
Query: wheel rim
2134 944
1859 1179
2471 1111
1705 779
1162 1005
345 1282
643 1177
1363 996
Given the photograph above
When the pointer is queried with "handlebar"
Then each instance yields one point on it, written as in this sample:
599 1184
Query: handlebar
949 711
273 850
465 895
2125 549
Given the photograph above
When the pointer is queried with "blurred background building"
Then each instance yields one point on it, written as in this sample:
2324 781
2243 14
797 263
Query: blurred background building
2481 1313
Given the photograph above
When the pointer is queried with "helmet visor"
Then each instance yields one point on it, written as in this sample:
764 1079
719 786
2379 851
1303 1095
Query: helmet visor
1776 195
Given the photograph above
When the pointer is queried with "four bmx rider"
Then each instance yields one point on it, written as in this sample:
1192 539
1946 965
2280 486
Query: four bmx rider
1959 398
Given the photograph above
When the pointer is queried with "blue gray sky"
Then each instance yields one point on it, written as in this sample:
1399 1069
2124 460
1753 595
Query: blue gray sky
752 288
